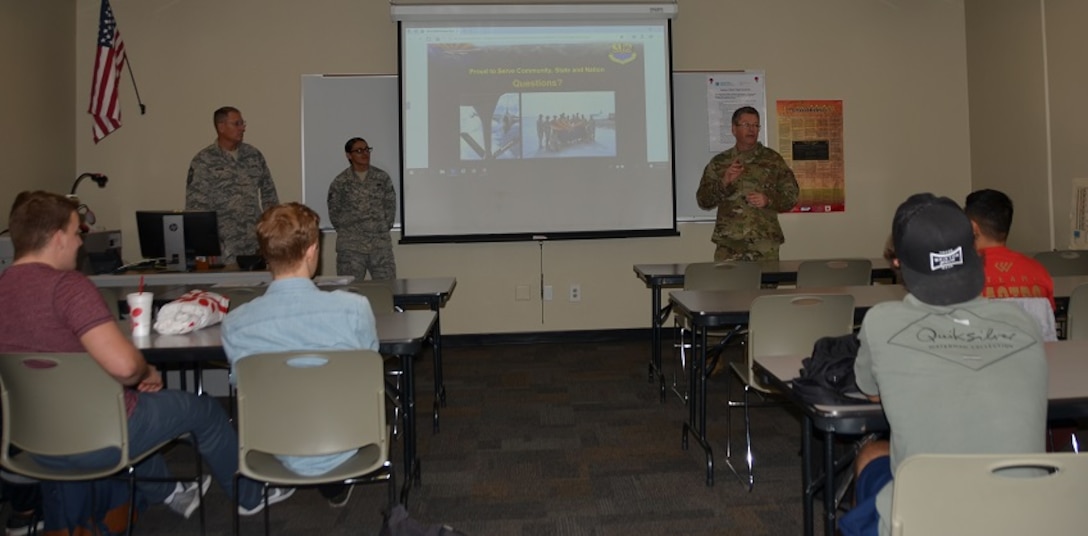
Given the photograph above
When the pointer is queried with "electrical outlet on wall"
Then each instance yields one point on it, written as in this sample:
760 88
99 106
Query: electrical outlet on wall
575 292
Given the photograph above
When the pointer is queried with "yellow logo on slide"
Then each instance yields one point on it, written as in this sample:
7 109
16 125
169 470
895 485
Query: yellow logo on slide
622 53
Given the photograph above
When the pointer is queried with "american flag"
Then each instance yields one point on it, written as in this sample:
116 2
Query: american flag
105 105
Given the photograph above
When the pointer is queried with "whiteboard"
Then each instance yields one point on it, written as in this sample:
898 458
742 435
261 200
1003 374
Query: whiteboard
692 141
336 108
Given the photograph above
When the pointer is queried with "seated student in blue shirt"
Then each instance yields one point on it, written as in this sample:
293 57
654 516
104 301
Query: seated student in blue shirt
293 314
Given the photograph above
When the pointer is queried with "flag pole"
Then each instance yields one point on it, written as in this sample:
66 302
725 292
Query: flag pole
143 109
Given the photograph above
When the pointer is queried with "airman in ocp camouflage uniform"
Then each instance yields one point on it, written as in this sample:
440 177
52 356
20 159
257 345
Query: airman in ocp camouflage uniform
362 205
231 178
749 184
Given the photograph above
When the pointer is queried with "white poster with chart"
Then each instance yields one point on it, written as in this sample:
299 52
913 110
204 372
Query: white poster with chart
1078 215
727 91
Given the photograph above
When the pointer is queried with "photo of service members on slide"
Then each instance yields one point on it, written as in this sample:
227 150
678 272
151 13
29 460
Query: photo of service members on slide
572 124
541 101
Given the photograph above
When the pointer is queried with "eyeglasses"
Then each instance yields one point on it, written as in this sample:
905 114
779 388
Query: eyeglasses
361 150
754 126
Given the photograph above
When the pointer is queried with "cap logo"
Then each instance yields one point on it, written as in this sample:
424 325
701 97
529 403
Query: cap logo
946 260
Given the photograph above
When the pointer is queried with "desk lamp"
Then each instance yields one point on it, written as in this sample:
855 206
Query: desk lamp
84 211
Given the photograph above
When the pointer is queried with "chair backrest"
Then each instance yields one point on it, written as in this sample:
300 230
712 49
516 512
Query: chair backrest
1064 262
723 276
310 403
379 294
976 494
790 324
58 405
241 295
1076 319
835 273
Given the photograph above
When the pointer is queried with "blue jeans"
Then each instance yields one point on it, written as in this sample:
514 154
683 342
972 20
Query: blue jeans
163 416
864 519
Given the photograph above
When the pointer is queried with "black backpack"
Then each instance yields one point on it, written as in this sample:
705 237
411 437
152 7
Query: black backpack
828 376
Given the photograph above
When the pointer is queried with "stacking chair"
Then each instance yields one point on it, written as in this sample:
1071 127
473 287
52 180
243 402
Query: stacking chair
988 494
784 324
63 405
312 404
1076 318
835 273
1064 262
713 276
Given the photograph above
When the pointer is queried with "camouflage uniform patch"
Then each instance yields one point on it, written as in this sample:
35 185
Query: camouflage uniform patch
740 226
362 210
380 264
238 188
743 250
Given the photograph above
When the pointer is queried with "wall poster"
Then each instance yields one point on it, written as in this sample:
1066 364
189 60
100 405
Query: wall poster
810 139
727 91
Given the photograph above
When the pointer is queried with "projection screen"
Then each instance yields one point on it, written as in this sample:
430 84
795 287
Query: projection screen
556 126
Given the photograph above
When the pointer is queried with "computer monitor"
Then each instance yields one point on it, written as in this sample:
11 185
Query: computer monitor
178 236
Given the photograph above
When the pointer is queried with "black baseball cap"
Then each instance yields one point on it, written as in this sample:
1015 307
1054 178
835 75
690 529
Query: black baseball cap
935 246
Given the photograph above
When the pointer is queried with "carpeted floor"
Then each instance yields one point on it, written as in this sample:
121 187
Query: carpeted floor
556 439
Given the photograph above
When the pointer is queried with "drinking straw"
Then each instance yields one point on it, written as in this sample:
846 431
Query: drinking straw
141 289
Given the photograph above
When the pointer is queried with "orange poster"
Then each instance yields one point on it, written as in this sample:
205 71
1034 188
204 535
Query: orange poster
810 139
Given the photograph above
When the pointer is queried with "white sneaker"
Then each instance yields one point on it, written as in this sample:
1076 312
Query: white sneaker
186 497
341 499
274 496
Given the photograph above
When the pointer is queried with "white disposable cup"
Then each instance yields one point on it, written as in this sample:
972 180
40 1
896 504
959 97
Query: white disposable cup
139 313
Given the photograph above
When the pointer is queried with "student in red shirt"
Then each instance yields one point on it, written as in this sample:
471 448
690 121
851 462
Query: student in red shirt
1009 274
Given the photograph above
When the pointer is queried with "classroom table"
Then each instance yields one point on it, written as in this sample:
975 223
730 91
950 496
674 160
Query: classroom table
429 292
706 310
659 276
399 334
1067 391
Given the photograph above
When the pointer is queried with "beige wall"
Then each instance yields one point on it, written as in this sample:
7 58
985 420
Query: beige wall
1027 78
1067 80
1007 92
37 110
900 67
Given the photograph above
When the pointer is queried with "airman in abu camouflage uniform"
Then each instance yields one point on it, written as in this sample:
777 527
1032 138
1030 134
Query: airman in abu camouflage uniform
231 178
749 184
362 205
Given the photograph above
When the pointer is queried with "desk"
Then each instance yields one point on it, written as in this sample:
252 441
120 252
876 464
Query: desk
429 292
659 276
1067 391
399 334
706 310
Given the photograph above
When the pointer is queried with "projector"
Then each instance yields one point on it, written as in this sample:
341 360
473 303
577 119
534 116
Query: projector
100 253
